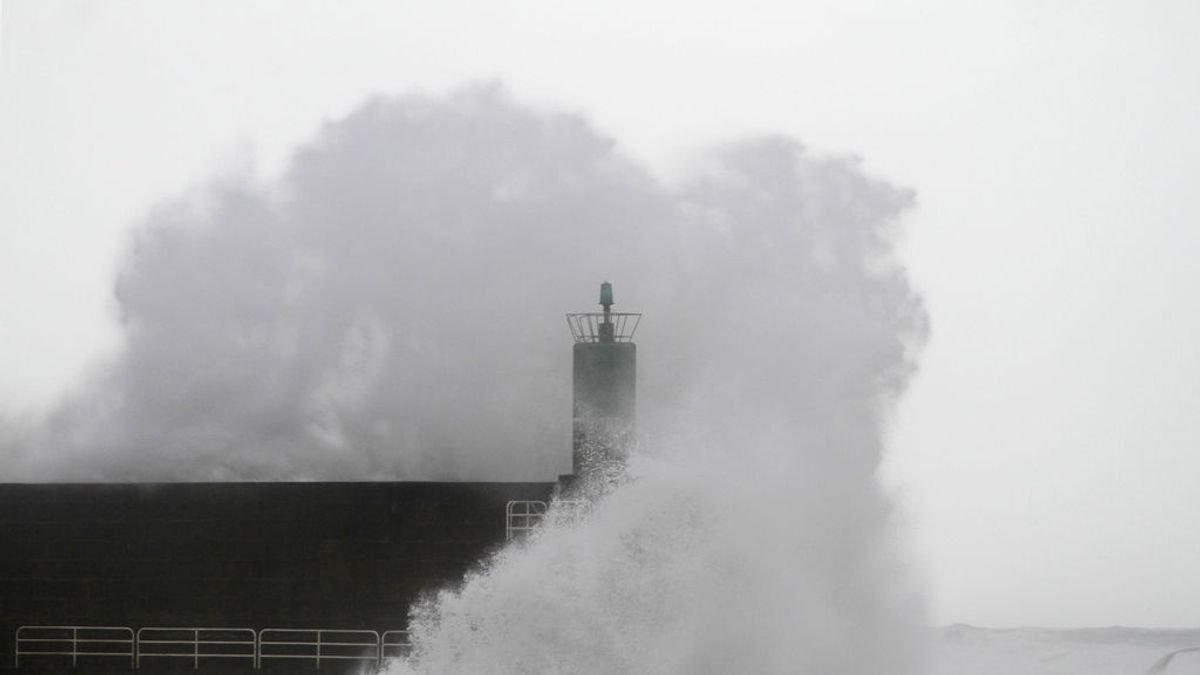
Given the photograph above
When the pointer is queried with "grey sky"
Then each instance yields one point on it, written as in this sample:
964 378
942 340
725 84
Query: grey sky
1046 455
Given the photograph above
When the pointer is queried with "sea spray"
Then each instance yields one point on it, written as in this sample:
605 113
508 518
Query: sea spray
391 308
751 535
704 562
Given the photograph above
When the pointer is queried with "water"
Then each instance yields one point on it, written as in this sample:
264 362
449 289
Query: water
704 562
391 308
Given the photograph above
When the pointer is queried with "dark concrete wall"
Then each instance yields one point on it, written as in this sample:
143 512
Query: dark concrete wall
258 555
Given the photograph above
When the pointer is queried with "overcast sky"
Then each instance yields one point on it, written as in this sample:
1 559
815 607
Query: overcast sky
1047 458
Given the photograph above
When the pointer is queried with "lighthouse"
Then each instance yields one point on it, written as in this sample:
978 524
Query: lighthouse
605 391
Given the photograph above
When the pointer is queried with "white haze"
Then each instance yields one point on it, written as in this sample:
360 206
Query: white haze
1084 651
392 308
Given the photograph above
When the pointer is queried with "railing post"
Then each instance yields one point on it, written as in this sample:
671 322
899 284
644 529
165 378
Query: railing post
74 646
318 650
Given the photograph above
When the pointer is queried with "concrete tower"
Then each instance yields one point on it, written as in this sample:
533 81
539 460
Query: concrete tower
605 377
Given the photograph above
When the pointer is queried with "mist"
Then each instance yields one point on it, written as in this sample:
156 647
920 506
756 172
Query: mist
391 307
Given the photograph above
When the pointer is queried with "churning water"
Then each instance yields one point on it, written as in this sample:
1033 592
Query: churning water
695 566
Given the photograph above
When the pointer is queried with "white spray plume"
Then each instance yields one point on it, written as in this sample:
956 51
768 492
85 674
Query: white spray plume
392 308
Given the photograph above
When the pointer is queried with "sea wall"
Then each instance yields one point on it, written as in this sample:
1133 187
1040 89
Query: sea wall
256 555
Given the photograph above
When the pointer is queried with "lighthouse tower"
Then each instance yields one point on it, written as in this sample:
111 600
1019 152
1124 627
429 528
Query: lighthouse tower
605 393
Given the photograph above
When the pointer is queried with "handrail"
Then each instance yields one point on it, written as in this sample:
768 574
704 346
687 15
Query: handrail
79 646
586 326
200 637
317 649
198 642
402 643
522 517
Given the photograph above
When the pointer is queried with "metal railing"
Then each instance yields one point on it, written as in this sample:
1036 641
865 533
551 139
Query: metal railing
394 644
618 326
522 517
318 645
74 641
196 644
